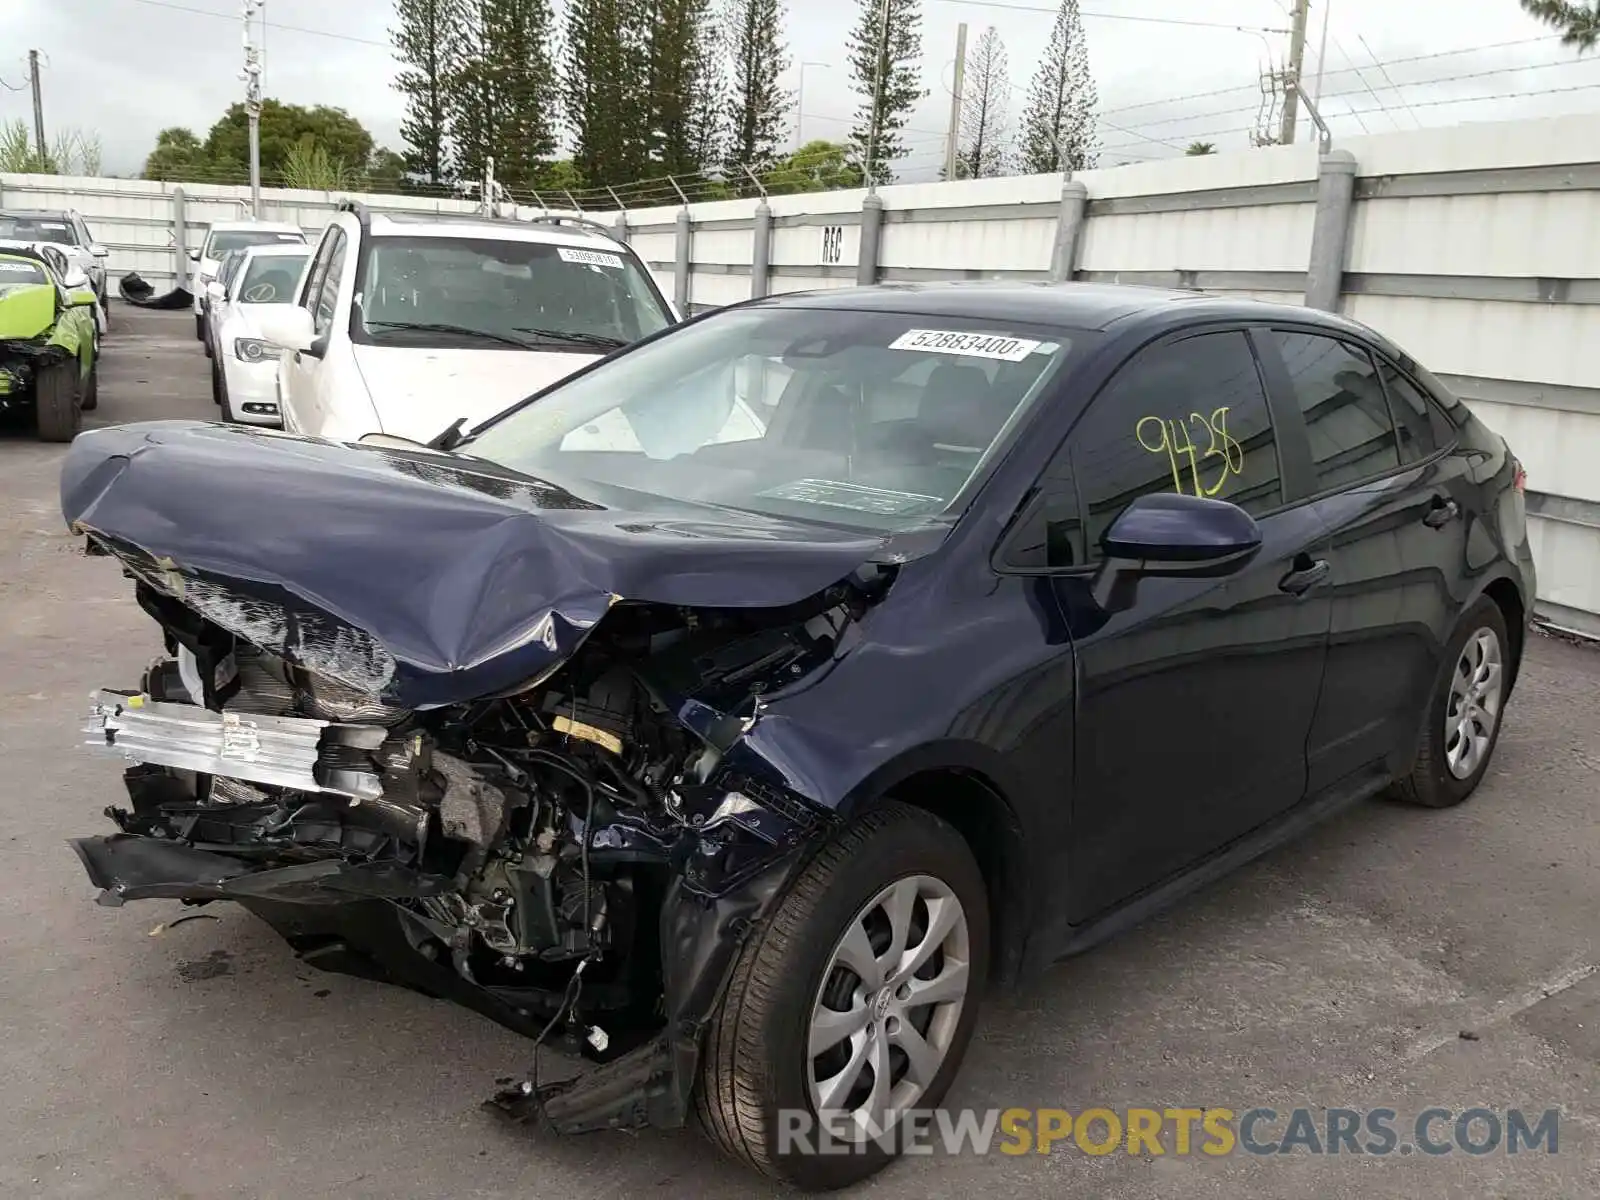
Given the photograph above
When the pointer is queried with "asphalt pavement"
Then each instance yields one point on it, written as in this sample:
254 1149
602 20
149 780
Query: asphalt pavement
1393 957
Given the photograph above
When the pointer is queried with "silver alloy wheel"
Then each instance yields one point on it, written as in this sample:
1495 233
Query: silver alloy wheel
1473 709
888 1007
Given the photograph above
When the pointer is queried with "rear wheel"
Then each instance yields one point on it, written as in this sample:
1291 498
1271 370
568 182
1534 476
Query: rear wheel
199 328
856 1000
1462 724
56 406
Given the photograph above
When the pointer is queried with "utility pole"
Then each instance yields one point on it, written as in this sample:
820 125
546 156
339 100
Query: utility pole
877 94
1297 55
252 101
953 141
38 105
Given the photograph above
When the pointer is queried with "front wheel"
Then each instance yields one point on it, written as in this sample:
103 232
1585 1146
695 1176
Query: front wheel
199 328
854 1003
56 402
1462 725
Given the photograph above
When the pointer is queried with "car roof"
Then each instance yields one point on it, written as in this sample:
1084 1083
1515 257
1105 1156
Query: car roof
267 226
446 225
1096 306
54 214
273 250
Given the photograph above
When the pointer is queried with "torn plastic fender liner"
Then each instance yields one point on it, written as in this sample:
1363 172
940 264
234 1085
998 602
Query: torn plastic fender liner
131 867
472 579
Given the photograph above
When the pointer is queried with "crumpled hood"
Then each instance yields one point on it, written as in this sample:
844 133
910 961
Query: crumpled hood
425 579
26 310
417 392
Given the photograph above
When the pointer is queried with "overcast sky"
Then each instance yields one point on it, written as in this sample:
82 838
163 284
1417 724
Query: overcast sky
126 68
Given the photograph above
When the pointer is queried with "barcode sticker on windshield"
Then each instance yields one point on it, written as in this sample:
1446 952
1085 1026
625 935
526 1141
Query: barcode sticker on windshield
973 345
595 258
19 266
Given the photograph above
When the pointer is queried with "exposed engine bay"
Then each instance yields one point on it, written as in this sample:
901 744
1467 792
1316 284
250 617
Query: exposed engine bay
569 852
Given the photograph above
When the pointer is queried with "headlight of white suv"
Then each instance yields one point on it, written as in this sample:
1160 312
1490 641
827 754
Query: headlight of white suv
251 350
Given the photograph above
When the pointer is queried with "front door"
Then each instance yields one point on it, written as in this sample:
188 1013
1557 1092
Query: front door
1194 704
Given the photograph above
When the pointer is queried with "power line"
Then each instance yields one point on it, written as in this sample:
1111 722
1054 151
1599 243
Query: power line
206 12
1100 16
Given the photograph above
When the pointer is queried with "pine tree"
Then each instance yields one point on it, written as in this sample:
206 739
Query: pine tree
1578 20
607 108
679 80
887 38
504 91
984 100
427 42
758 109
1058 129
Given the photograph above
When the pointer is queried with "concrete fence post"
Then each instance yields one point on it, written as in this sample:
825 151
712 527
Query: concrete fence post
760 250
180 249
1330 229
1069 230
620 224
680 270
871 232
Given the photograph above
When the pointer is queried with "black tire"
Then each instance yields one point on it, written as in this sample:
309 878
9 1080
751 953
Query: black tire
1431 783
222 395
216 383
91 389
199 328
57 412
754 1063
205 344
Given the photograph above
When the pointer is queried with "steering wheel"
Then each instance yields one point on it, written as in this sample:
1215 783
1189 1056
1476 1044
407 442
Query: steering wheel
261 293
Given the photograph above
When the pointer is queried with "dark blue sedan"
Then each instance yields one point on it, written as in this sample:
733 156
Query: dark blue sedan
738 708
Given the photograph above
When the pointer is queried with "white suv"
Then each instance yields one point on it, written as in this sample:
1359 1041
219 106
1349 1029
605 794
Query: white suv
404 325
222 237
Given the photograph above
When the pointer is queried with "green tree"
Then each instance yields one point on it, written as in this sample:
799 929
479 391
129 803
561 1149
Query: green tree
680 80
227 146
427 42
503 92
887 40
606 110
1197 149
757 108
177 158
1058 127
387 172
984 100
818 166
1577 20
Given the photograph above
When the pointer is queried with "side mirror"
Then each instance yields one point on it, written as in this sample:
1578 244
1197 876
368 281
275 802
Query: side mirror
82 297
289 326
99 251
74 278
194 256
216 291
1172 534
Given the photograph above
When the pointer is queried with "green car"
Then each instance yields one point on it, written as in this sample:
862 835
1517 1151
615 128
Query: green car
48 342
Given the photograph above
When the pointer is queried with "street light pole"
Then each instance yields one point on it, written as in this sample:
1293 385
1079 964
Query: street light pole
800 103
877 94
252 101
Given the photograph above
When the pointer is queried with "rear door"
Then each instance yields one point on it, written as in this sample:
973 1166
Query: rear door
1396 502
1193 705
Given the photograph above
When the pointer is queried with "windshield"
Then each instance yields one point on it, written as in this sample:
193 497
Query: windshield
17 272
271 278
502 293
867 419
36 229
223 240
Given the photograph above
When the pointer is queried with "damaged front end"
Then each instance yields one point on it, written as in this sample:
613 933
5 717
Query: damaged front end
585 852
21 360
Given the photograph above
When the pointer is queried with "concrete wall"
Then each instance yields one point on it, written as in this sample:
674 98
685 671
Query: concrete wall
1476 248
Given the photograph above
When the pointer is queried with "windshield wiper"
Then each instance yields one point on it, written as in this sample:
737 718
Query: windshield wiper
504 339
564 335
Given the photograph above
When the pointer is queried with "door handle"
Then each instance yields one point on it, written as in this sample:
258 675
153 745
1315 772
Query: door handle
1441 513
1303 578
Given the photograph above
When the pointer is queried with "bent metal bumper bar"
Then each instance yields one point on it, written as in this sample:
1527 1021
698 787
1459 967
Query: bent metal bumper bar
255 747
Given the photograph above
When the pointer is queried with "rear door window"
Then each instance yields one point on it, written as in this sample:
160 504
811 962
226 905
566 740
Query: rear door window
1422 428
1337 389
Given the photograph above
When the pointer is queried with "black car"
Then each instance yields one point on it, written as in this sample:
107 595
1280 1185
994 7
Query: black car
745 703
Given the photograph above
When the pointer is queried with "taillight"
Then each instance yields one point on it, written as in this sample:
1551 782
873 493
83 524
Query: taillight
1519 477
